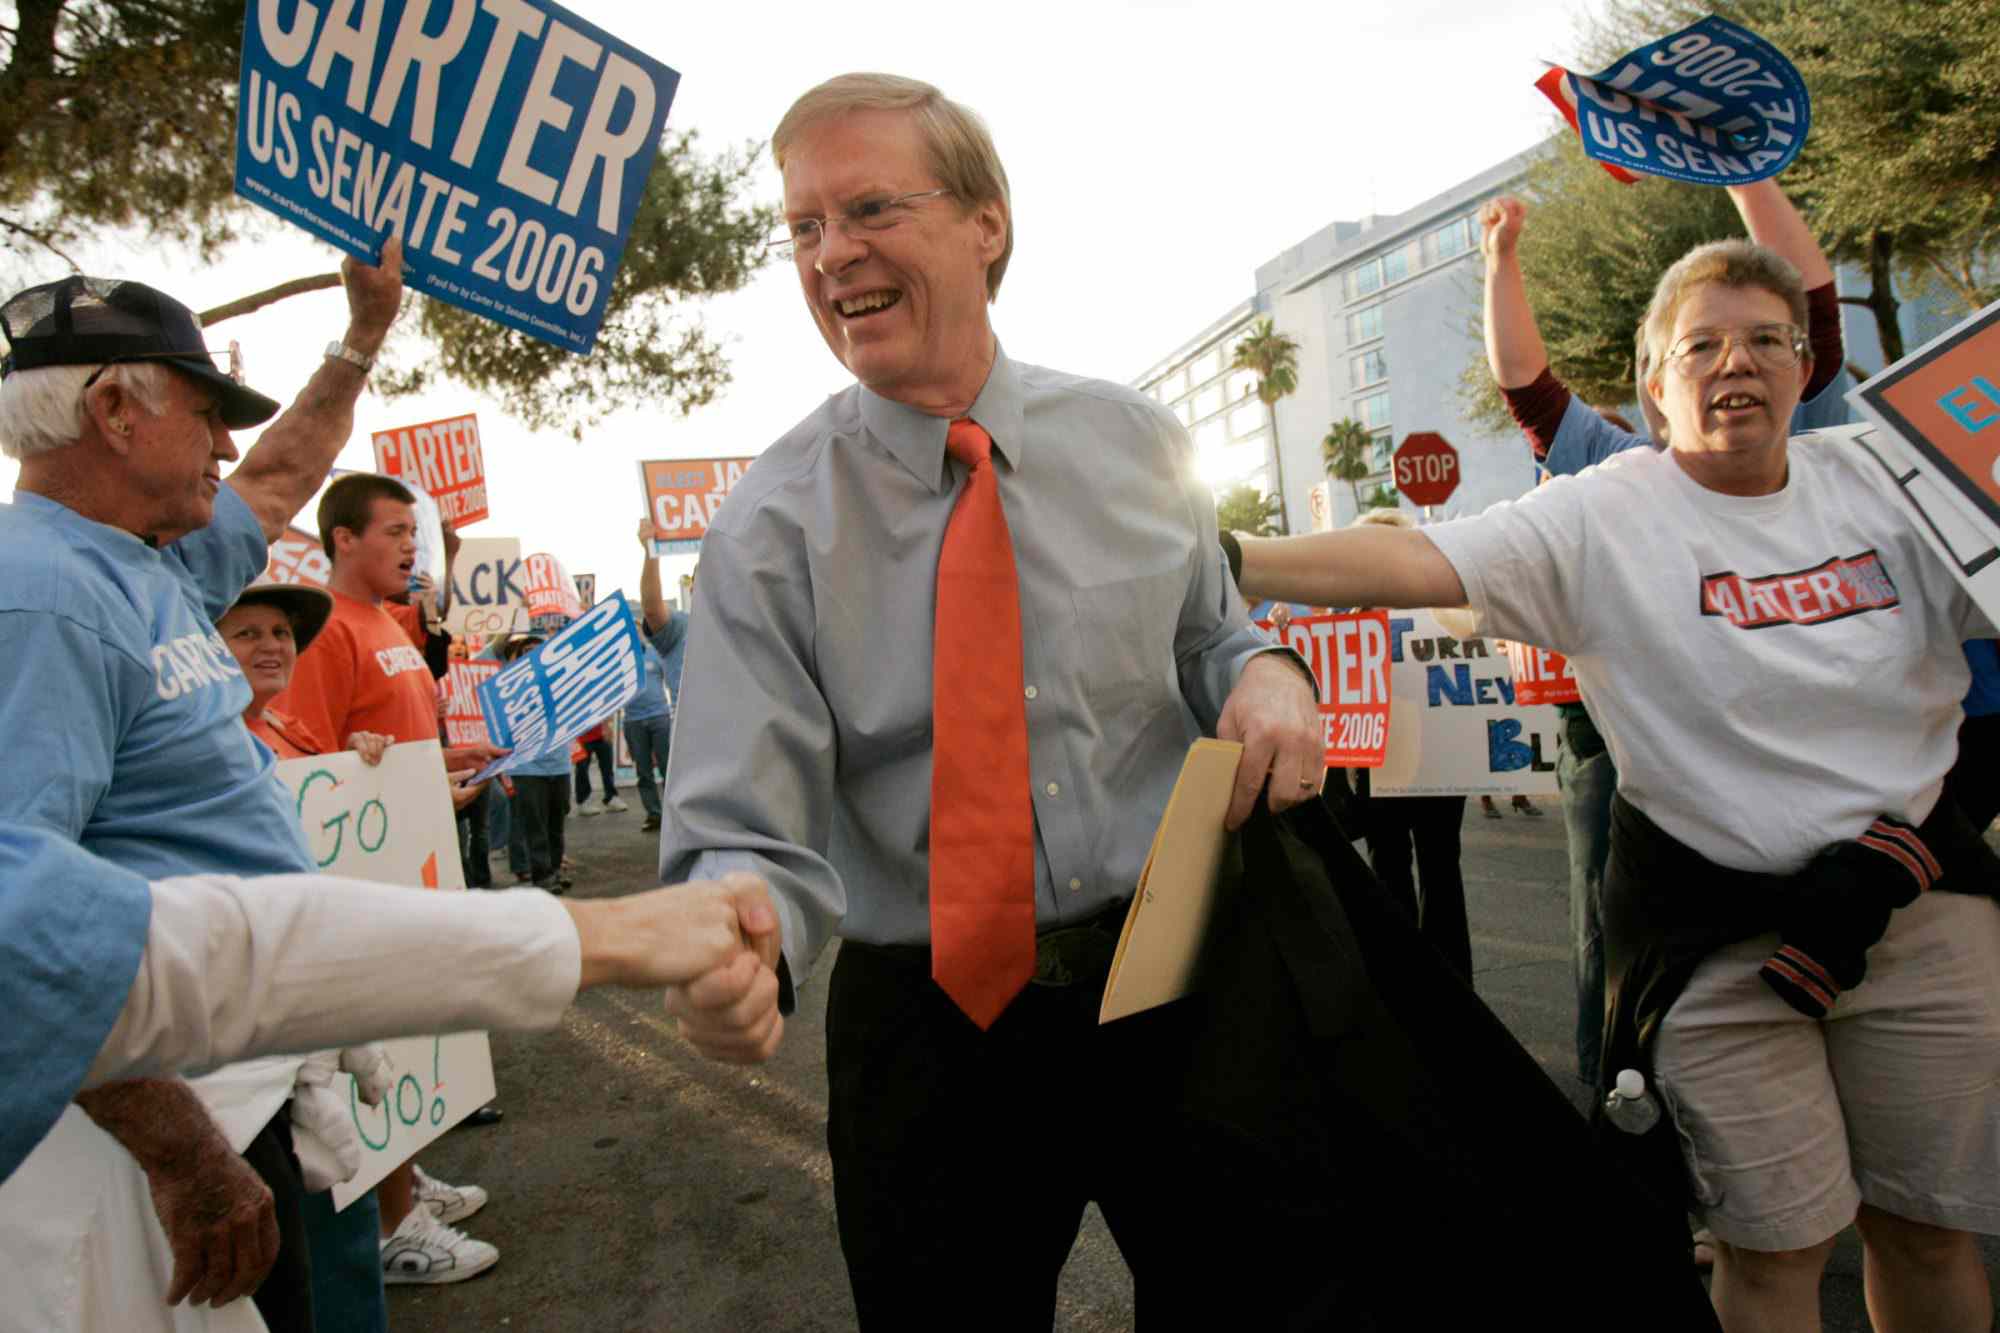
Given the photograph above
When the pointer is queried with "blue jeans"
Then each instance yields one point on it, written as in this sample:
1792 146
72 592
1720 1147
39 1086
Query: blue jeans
647 738
1587 787
346 1249
500 829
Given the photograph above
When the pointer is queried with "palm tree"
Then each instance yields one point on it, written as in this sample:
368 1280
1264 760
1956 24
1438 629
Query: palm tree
1345 451
1273 357
1244 508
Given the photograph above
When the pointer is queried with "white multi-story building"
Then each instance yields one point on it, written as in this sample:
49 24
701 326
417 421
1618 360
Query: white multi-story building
1385 311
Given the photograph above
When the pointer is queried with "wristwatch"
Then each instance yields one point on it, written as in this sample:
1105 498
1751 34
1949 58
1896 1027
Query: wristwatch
340 351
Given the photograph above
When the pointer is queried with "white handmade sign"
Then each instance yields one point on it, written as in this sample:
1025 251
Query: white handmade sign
393 823
489 589
1454 724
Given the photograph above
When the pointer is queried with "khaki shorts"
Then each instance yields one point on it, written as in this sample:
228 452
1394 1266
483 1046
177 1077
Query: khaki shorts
1789 1124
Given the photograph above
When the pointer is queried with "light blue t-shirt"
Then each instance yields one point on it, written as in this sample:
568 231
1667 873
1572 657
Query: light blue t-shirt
72 930
670 641
1585 439
651 700
122 718
554 764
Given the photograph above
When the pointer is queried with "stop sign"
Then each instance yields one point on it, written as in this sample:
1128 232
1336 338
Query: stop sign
1426 468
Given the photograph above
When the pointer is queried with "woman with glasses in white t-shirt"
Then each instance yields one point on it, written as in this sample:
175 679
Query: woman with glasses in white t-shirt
1773 655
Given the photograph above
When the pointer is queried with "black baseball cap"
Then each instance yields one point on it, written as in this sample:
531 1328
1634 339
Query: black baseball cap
305 606
82 321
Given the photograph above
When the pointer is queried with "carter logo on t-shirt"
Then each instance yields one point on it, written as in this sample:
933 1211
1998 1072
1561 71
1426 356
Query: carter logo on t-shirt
192 662
393 661
1841 587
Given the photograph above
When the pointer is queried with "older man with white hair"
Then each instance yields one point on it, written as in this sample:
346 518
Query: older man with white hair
122 718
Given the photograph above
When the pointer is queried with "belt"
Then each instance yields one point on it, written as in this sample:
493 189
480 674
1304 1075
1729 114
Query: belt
1083 953
1066 956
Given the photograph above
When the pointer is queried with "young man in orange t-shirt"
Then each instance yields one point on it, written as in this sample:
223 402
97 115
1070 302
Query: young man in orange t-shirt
365 671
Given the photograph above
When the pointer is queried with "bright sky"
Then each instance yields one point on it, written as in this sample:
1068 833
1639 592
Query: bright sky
1158 152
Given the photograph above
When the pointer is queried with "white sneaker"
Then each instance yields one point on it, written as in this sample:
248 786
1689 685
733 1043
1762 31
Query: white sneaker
616 805
425 1250
589 806
448 1203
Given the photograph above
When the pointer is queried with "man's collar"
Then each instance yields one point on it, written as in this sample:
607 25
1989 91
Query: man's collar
916 439
36 502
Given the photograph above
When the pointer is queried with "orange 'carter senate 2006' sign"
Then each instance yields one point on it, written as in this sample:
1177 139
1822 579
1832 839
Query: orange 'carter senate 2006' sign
441 458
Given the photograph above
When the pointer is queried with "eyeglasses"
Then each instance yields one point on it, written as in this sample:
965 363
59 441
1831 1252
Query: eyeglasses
1772 346
803 235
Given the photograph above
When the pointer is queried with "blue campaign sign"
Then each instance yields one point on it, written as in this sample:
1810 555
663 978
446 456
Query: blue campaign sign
506 141
1713 104
568 685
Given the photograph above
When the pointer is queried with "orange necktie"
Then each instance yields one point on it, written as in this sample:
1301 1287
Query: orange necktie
982 816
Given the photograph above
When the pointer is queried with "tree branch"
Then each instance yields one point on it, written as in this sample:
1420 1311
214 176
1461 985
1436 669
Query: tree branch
1957 283
256 301
40 239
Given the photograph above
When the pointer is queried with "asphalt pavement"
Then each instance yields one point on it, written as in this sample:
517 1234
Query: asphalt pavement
636 1186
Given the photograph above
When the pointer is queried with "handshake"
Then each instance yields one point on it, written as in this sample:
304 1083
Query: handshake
711 945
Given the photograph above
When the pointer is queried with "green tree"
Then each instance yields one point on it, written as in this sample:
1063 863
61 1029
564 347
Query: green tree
1345 453
1244 508
1383 496
1273 357
120 114
1900 173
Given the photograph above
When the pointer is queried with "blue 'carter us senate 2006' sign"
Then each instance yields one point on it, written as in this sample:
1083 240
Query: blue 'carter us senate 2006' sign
506 141
568 685
1713 104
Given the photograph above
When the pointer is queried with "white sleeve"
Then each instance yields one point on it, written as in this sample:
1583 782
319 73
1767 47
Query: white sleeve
235 968
1524 564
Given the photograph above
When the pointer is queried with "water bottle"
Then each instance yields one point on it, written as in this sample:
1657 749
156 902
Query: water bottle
1629 1106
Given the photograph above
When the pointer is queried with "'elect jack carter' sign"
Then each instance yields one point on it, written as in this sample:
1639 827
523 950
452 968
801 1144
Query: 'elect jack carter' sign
506 141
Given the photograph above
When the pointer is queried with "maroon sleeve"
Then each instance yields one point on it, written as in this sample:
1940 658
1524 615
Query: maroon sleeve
1538 408
1823 331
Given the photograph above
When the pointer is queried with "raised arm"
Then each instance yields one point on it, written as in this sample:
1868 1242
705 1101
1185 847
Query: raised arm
1514 349
1775 224
652 602
1365 566
295 452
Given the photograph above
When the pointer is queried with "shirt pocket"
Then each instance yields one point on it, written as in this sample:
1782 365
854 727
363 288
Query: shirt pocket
1125 637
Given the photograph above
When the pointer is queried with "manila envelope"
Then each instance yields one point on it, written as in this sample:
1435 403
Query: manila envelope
1160 946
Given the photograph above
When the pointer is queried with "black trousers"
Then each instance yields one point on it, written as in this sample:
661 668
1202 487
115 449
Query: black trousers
472 848
962 1160
540 807
1435 896
601 747
284 1298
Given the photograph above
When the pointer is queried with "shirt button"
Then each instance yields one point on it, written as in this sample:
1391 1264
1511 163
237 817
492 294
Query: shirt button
1075 885
1031 691
1053 789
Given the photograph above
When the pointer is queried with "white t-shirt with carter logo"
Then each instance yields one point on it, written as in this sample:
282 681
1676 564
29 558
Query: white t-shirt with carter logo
1769 672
